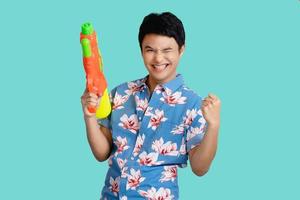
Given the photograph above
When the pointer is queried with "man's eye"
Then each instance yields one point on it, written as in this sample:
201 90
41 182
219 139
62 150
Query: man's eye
149 50
167 51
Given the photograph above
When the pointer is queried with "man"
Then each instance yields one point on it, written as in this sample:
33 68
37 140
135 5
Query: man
157 123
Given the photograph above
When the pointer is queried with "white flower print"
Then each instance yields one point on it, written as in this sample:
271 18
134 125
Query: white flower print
186 88
158 89
179 129
124 198
156 119
149 111
142 104
130 123
199 112
190 116
193 132
134 179
172 99
201 120
161 194
121 144
114 185
182 149
149 159
138 145
119 101
169 174
133 87
123 172
110 160
121 164
168 148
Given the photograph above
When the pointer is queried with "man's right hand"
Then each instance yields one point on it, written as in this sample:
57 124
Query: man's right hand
89 99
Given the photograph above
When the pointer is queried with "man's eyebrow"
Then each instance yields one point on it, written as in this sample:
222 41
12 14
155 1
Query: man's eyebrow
148 47
165 49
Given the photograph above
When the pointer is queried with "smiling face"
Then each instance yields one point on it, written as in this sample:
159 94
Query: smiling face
161 55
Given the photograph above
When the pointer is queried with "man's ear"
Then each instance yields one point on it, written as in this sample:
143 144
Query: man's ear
181 50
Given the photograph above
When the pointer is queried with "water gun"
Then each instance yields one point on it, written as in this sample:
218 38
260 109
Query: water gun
93 66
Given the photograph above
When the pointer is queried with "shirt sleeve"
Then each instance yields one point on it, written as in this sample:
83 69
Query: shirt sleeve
196 130
106 122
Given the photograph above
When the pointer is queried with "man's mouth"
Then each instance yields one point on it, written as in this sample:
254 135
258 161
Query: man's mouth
160 67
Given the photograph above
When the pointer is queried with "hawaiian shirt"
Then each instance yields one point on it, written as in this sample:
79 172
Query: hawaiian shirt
152 135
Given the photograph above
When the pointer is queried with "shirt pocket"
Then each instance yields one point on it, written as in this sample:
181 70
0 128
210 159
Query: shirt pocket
169 131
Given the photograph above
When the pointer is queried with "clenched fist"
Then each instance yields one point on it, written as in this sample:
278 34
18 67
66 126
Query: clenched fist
211 106
89 99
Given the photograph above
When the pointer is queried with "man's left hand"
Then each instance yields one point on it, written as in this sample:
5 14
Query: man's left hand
211 106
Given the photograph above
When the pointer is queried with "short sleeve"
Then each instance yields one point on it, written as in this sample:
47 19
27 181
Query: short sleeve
106 122
197 128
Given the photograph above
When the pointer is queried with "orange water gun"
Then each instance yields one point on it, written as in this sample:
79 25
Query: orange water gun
93 66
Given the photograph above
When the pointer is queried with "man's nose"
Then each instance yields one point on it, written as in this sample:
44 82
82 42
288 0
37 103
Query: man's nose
158 57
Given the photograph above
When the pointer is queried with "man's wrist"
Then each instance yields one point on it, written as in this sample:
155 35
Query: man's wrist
86 117
213 126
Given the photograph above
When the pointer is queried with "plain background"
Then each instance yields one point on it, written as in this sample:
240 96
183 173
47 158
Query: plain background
247 52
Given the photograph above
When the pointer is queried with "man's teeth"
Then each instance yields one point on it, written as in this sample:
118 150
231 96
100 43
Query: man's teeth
160 67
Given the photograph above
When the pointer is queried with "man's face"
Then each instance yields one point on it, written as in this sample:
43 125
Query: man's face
161 55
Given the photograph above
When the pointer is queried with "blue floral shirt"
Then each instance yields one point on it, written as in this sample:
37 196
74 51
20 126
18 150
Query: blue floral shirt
152 135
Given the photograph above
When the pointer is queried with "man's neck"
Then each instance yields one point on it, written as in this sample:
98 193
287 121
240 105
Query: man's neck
151 83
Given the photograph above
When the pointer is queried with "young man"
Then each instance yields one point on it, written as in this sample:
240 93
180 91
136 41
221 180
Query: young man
156 124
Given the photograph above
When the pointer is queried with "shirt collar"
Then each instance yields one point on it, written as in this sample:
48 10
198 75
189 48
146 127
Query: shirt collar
172 85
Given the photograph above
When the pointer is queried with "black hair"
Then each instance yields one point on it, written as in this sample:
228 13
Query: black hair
166 24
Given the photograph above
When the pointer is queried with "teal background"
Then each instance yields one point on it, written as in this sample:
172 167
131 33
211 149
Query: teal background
246 52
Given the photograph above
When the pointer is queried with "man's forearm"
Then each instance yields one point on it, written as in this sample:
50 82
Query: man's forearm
204 153
99 143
